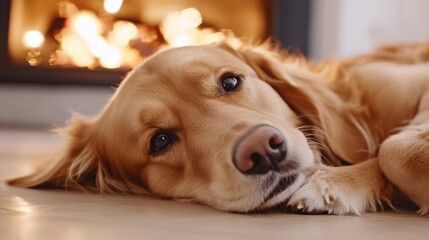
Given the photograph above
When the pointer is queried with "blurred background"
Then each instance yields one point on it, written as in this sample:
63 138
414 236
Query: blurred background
63 55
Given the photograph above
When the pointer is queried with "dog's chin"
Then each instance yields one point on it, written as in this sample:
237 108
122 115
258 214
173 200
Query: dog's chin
278 196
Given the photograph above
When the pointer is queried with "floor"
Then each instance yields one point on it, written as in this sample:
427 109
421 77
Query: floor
55 214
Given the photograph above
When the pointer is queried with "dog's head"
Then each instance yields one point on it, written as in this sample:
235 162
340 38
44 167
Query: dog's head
208 123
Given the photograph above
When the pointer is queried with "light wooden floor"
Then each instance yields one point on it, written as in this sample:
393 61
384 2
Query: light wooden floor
53 214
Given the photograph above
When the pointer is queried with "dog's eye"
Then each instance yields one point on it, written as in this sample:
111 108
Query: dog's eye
159 142
230 82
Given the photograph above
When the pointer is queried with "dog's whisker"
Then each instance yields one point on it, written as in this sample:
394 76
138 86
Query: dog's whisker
317 141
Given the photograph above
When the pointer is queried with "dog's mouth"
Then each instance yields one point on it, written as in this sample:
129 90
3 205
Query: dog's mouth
282 191
282 184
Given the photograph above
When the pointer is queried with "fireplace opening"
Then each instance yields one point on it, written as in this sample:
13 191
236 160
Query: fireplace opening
97 42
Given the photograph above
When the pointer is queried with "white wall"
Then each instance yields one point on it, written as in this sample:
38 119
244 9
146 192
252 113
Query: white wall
343 28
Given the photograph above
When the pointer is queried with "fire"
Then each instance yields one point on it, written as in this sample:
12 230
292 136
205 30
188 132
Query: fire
91 40
85 29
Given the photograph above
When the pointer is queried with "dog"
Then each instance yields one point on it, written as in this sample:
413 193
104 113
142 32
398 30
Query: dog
252 127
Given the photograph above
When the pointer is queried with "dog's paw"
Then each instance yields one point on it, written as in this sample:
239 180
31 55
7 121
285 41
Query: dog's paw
331 192
424 211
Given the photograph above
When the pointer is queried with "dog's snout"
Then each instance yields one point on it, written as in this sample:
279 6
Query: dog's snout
260 150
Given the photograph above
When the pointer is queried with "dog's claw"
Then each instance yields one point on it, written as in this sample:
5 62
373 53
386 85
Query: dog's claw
300 205
329 199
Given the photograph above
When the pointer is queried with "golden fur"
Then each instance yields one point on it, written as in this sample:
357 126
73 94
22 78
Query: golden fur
369 113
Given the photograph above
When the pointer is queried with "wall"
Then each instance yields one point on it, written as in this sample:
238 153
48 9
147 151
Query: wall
346 27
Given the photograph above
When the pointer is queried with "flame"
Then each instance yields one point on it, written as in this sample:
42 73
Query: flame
181 28
97 46
123 32
91 40
111 57
189 18
86 24
81 56
33 39
112 6
86 31
177 27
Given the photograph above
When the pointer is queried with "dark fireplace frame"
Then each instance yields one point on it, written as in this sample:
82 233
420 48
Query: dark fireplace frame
291 26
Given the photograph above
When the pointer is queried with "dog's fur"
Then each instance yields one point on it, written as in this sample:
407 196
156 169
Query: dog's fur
369 113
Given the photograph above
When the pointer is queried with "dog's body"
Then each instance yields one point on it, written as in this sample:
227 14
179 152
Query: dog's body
245 129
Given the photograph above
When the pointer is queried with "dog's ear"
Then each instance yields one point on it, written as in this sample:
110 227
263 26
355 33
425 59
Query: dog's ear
291 78
80 165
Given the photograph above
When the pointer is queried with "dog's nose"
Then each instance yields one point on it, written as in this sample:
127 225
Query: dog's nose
260 150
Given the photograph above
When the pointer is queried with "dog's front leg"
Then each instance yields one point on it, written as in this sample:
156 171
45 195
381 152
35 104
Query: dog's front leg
342 190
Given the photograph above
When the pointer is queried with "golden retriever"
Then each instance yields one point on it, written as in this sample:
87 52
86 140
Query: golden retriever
249 128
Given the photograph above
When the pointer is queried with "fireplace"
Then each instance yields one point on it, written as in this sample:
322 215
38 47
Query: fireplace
96 42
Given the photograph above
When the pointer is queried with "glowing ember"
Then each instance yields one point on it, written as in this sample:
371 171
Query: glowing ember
33 39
